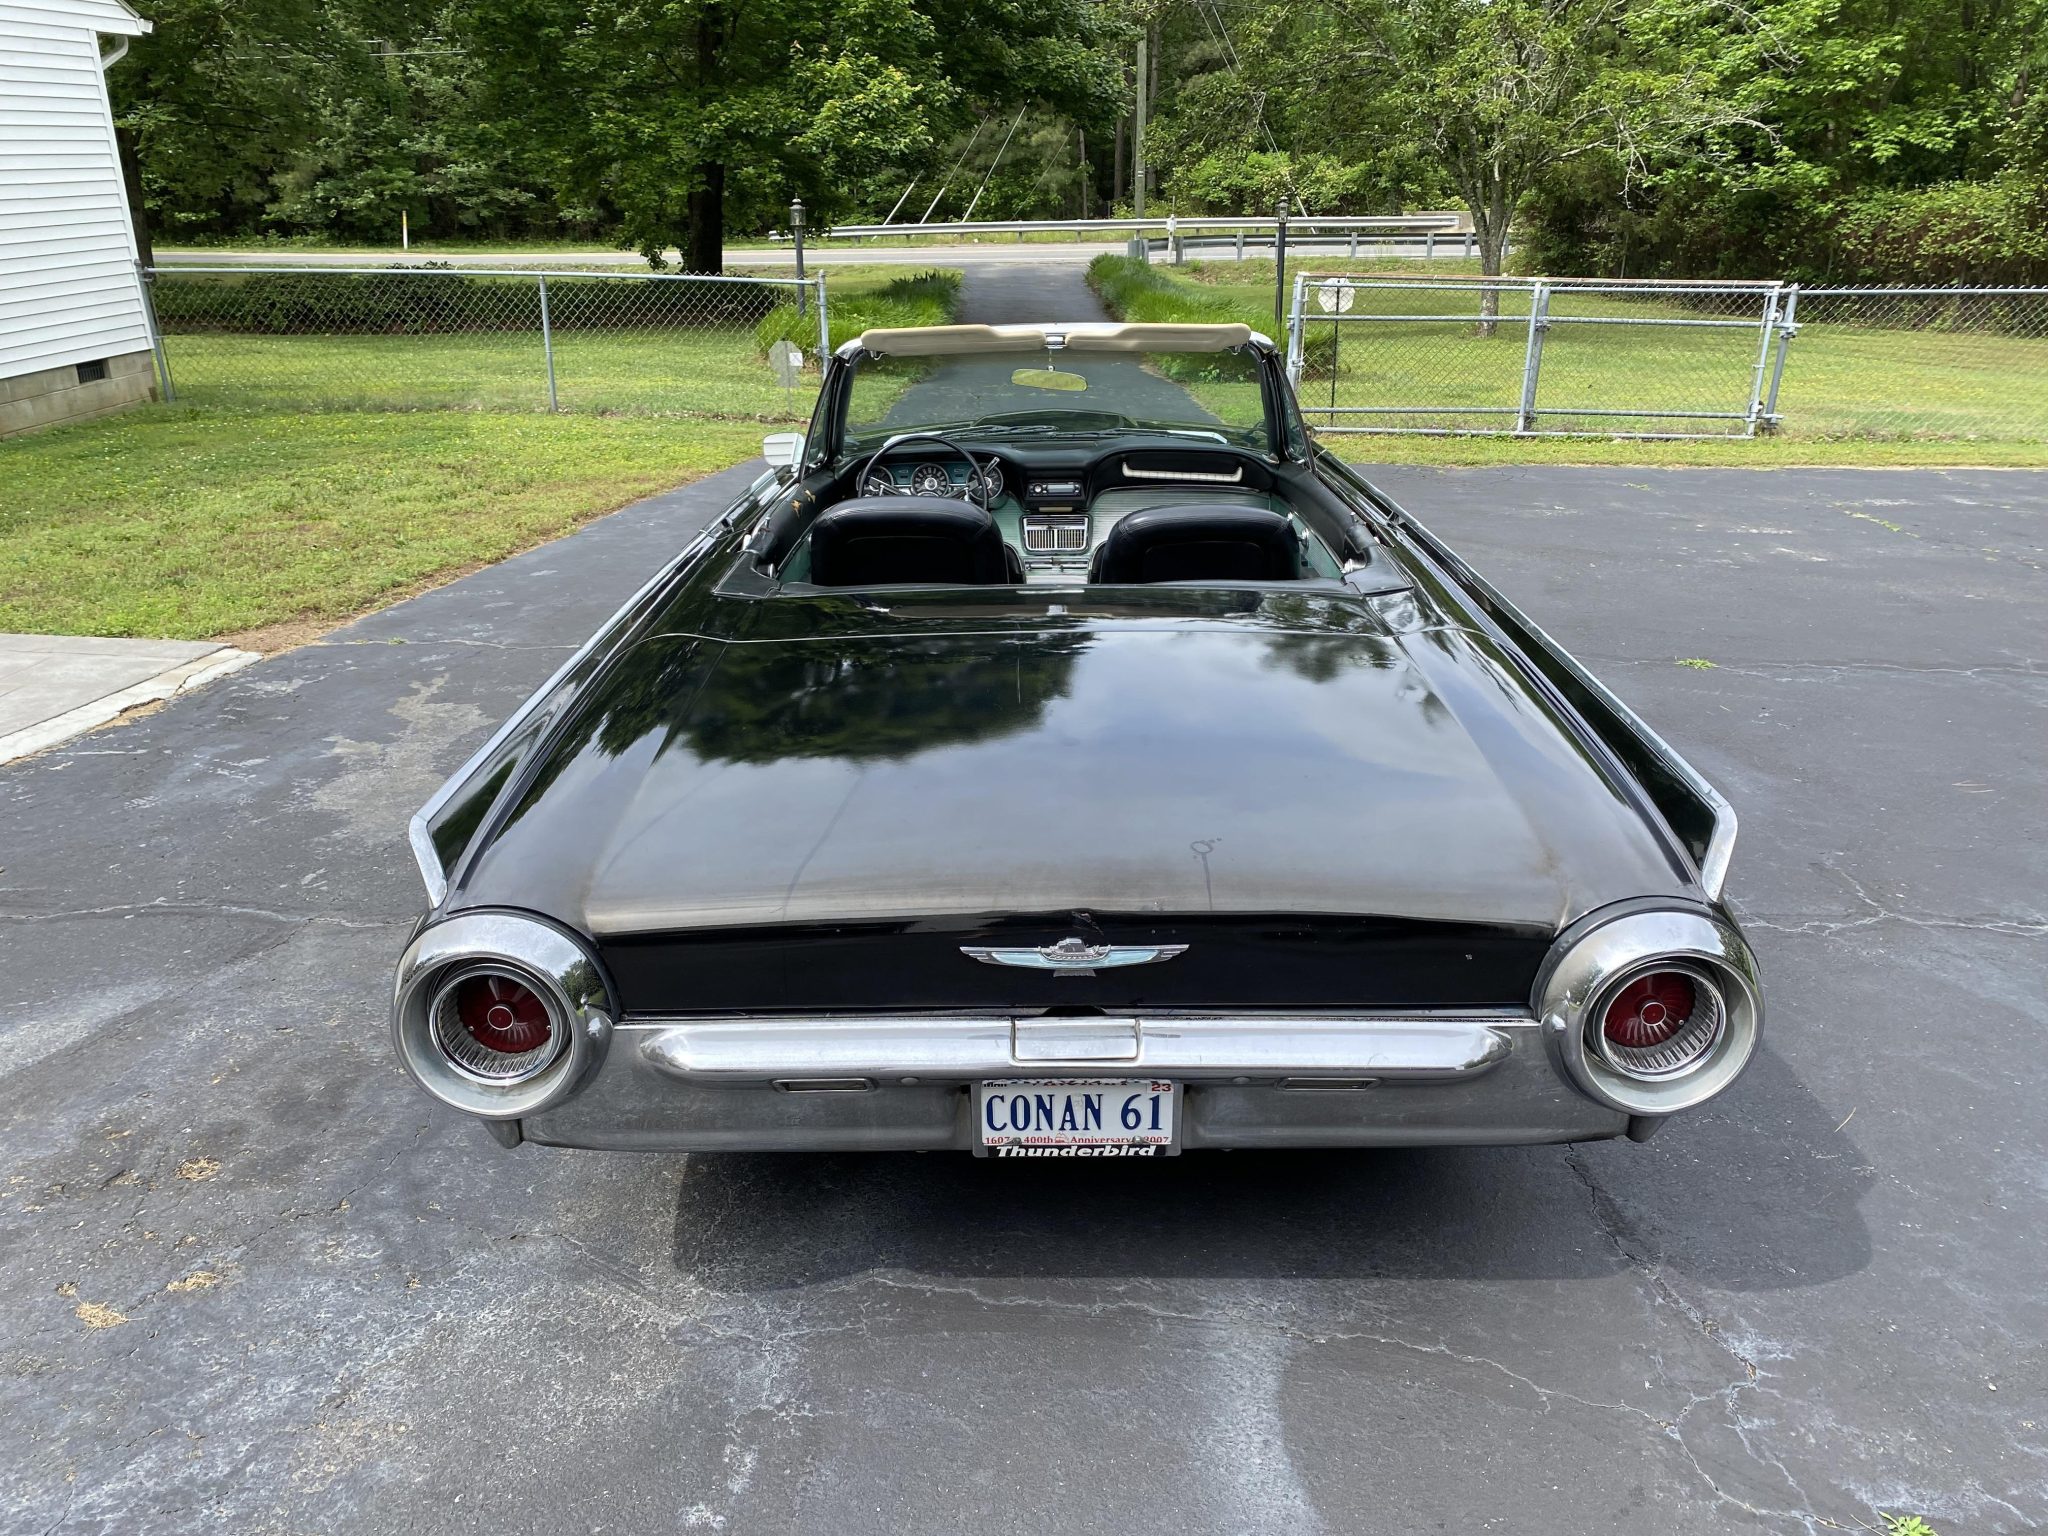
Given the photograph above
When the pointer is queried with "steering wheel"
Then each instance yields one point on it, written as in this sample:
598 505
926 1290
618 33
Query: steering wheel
975 474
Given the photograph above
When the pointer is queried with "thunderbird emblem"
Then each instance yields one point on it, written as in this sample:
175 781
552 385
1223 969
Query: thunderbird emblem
1075 957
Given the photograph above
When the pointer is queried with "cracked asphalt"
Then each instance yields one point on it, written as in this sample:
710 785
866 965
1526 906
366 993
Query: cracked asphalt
252 1280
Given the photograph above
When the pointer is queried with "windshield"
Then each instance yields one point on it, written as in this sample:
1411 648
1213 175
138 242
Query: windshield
1215 395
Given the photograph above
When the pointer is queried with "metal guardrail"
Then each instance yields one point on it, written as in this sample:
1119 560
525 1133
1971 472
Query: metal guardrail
1172 224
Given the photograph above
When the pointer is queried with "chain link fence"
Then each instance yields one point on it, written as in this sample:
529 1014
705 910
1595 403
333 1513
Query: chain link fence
1902 363
1540 357
428 339
1532 356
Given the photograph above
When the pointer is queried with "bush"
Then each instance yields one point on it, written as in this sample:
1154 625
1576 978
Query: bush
425 301
1991 233
924 298
1137 291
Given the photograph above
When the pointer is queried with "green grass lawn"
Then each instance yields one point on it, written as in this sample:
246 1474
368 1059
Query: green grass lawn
191 524
1852 392
647 370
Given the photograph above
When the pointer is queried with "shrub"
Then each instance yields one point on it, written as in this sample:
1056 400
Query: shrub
923 298
1137 291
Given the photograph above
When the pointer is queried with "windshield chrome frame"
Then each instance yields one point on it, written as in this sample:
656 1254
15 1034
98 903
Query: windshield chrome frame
825 446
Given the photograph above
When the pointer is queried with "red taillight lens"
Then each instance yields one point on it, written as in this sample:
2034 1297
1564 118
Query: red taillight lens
501 1015
1651 1009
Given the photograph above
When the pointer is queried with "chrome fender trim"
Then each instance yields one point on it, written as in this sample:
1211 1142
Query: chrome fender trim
565 977
1586 970
751 1051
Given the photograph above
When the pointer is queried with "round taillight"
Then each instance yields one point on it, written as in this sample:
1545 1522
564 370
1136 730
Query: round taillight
501 1014
1661 1023
494 1026
1650 1009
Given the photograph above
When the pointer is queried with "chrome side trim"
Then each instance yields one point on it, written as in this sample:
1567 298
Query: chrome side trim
418 831
752 1051
1720 848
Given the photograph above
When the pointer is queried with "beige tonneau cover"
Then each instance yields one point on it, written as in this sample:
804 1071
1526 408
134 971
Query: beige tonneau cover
1082 336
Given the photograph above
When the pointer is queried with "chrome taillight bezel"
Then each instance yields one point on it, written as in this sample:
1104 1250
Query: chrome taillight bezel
1591 966
538 955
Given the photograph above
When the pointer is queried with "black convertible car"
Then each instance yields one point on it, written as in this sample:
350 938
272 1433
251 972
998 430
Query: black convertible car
1056 754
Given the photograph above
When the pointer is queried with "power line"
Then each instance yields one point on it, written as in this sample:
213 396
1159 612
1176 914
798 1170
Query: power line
992 165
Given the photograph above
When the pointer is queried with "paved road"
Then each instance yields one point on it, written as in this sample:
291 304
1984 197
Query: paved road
976 387
824 254
254 1281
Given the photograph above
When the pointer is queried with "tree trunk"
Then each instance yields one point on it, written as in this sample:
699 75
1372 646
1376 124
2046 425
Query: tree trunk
704 250
131 176
1490 218
1118 190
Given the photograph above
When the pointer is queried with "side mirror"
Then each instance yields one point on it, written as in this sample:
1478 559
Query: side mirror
783 450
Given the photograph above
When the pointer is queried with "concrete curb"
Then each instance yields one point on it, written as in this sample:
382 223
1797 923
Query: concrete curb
167 684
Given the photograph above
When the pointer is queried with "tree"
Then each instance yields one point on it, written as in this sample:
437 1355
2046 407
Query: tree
1504 91
685 115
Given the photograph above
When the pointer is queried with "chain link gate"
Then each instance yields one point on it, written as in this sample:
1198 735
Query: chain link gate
1534 357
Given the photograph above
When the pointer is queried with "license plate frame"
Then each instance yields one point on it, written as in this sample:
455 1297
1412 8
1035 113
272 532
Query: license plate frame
1099 1134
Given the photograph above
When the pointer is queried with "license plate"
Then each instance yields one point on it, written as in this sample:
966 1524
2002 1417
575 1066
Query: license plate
1077 1117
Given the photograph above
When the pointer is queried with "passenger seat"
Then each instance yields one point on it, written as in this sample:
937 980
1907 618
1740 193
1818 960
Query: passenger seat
1198 543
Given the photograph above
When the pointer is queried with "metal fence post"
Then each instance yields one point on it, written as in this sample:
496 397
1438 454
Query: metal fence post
1294 329
824 325
547 343
1754 409
1468 245
145 279
1532 357
1240 245
1788 327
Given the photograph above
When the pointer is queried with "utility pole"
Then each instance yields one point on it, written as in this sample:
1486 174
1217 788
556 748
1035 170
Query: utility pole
1138 131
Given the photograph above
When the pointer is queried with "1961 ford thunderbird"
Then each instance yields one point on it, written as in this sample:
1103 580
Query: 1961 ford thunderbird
1056 754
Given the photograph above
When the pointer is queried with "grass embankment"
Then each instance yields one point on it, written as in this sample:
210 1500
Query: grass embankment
184 524
1853 394
357 440
406 341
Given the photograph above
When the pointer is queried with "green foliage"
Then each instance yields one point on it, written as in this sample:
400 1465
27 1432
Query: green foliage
927 298
403 302
1907 1525
685 114
1888 141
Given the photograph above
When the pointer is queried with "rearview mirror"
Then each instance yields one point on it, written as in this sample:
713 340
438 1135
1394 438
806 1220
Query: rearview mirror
1047 378
782 450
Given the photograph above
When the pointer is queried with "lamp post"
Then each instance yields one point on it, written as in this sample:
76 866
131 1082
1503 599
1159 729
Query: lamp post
796 230
1280 269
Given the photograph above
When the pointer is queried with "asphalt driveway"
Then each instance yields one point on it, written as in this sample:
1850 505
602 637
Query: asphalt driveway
251 1279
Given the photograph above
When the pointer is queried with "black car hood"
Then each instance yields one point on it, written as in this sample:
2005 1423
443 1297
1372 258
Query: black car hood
1305 757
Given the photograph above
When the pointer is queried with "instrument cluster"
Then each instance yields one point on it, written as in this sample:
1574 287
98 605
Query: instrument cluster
931 478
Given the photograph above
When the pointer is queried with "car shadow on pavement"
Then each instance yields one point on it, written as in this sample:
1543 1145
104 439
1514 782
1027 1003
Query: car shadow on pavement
1761 1194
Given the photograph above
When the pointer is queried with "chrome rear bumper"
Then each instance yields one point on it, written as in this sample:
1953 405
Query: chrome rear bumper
902 1083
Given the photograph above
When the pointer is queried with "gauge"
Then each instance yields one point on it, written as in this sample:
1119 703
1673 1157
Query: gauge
879 484
986 481
930 480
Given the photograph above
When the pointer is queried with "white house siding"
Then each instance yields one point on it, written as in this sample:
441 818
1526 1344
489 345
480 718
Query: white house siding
68 287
